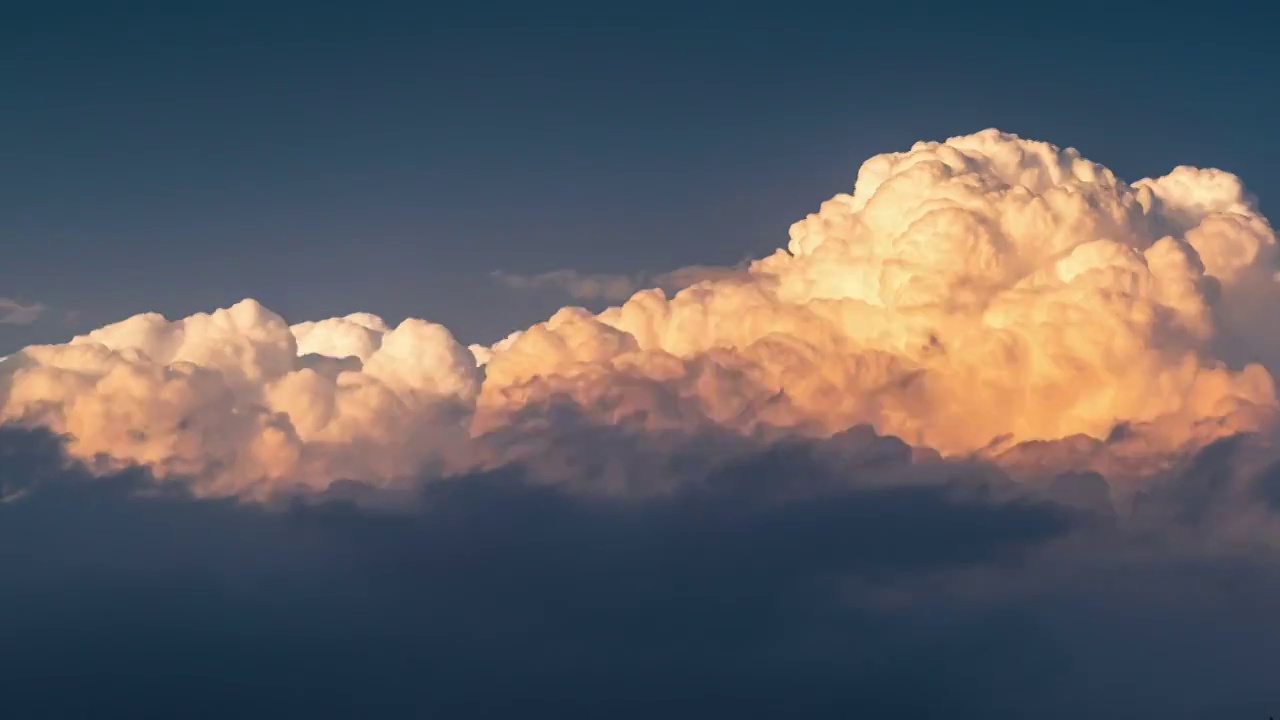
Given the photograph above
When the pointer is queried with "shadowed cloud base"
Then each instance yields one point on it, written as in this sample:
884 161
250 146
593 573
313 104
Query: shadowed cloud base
774 585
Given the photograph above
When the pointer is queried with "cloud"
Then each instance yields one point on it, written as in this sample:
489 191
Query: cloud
993 437
225 400
13 312
613 287
987 297
579 285
505 594
985 286
789 579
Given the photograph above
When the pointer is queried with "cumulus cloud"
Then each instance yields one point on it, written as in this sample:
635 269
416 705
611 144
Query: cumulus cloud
13 312
987 287
988 297
225 399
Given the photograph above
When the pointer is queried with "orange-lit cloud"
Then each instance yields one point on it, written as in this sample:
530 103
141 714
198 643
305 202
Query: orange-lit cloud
988 295
982 287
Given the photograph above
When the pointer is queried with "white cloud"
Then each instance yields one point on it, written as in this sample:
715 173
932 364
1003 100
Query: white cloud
989 295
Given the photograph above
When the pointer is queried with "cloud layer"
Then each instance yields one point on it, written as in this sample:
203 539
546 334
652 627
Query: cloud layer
989 295
993 437
806 580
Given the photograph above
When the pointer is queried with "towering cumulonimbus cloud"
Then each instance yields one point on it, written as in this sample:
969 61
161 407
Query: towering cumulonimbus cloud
988 294
983 287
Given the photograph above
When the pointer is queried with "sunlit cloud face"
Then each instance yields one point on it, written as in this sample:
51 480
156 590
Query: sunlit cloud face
987 287
988 295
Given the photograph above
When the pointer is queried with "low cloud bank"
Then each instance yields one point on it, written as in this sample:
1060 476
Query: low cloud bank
782 582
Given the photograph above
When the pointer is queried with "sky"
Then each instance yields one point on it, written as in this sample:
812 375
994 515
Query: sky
176 158
569 360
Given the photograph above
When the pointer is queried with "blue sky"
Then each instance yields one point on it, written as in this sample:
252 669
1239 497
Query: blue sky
326 160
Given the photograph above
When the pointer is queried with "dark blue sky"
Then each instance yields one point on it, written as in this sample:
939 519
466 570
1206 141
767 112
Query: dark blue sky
328 159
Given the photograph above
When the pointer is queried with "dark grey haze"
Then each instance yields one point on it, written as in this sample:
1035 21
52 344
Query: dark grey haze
777 585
